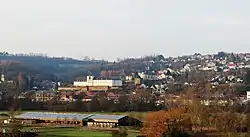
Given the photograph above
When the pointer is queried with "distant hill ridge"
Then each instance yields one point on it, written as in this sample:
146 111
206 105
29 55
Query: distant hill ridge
45 59
44 65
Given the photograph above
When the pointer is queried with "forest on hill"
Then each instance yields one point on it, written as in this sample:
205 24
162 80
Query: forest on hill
68 69
45 67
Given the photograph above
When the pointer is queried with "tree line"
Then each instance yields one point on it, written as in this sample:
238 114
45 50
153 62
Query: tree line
196 119
142 101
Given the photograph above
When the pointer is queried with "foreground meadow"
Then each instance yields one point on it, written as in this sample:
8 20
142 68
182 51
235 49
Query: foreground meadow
72 132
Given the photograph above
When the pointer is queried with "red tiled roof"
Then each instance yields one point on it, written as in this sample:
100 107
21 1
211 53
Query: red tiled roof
231 64
90 93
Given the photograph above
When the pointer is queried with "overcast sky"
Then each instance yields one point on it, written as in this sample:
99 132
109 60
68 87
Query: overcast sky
124 28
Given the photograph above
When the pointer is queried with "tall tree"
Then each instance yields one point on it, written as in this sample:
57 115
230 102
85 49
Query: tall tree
163 123
247 77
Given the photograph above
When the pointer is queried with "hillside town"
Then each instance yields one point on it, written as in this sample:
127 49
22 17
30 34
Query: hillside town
162 78
124 68
211 83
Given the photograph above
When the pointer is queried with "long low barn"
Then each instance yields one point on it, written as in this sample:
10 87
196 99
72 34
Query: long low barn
90 120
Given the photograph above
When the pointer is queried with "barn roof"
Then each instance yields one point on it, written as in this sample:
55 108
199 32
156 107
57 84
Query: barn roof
72 116
107 117
45 115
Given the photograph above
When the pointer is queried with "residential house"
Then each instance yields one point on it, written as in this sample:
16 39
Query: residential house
159 88
113 96
231 65
129 78
186 68
148 76
43 95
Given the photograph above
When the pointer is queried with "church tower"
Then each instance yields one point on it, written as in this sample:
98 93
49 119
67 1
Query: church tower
2 76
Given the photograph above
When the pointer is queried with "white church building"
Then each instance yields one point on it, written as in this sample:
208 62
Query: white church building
94 82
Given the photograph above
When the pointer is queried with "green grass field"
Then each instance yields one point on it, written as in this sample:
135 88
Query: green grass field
72 132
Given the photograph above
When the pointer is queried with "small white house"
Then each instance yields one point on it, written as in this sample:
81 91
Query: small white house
148 76
211 64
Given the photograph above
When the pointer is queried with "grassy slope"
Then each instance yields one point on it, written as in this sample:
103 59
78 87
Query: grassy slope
64 132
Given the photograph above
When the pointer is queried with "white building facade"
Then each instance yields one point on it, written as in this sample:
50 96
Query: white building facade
147 76
91 82
248 95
